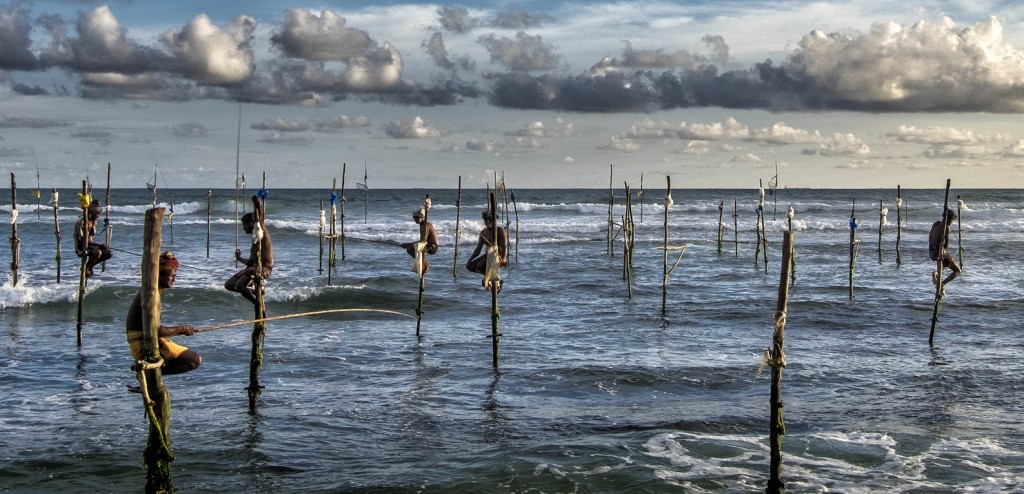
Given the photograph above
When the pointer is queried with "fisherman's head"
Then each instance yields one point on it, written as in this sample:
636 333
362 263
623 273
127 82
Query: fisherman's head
94 209
949 215
168 269
418 215
487 216
248 222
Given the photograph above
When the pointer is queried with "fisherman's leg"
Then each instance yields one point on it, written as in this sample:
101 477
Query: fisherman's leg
232 284
185 362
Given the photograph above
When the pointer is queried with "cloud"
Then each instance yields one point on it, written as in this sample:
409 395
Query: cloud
456 20
435 48
524 53
1015 150
842 145
377 70
102 45
947 151
417 128
190 129
341 123
927 66
658 58
621 144
31 122
16 152
560 128
482 146
211 55
281 125
515 17
286 139
304 35
15 31
780 133
941 135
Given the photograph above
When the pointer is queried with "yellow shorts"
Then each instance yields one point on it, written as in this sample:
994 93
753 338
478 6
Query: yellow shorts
168 349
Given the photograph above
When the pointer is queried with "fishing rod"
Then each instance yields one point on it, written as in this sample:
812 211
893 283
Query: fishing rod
190 266
301 314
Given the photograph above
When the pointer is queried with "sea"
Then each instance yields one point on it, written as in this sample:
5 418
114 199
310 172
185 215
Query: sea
606 380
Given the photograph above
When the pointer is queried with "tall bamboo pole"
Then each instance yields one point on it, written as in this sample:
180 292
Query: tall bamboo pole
764 233
209 220
332 239
882 211
423 270
515 209
259 329
960 233
777 361
939 266
664 268
899 223
342 212
758 223
458 229
320 236
721 226
108 230
627 242
495 315
366 193
611 202
736 227
238 179
157 401
84 202
853 243
56 230
15 241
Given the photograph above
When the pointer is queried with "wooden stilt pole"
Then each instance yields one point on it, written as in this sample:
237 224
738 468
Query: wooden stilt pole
777 360
458 229
157 455
721 226
56 230
495 315
515 209
736 227
423 271
15 241
209 220
342 212
664 267
332 239
792 253
899 223
320 236
758 223
627 243
259 329
882 211
960 233
764 233
108 229
939 266
366 193
85 257
611 203
853 243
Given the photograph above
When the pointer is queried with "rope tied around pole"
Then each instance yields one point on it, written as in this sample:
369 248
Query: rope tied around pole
140 367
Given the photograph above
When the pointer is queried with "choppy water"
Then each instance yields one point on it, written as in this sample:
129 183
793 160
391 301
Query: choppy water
596 391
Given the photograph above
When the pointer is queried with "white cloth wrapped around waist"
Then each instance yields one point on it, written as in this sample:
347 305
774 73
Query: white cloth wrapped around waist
492 273
419 261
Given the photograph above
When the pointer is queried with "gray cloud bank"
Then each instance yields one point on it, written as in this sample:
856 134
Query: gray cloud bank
318 58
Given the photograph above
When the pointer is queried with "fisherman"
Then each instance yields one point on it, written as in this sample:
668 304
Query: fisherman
85 230
177 358
496 254
261 255
427 244
938 241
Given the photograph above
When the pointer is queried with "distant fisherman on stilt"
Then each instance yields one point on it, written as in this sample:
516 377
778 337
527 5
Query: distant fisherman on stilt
427 244
85 230
496 256
938 241
261 255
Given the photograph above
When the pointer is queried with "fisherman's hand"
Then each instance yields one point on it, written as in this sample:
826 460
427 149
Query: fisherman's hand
405 245
238 254
186 329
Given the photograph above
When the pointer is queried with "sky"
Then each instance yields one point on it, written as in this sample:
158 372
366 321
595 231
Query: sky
727 94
